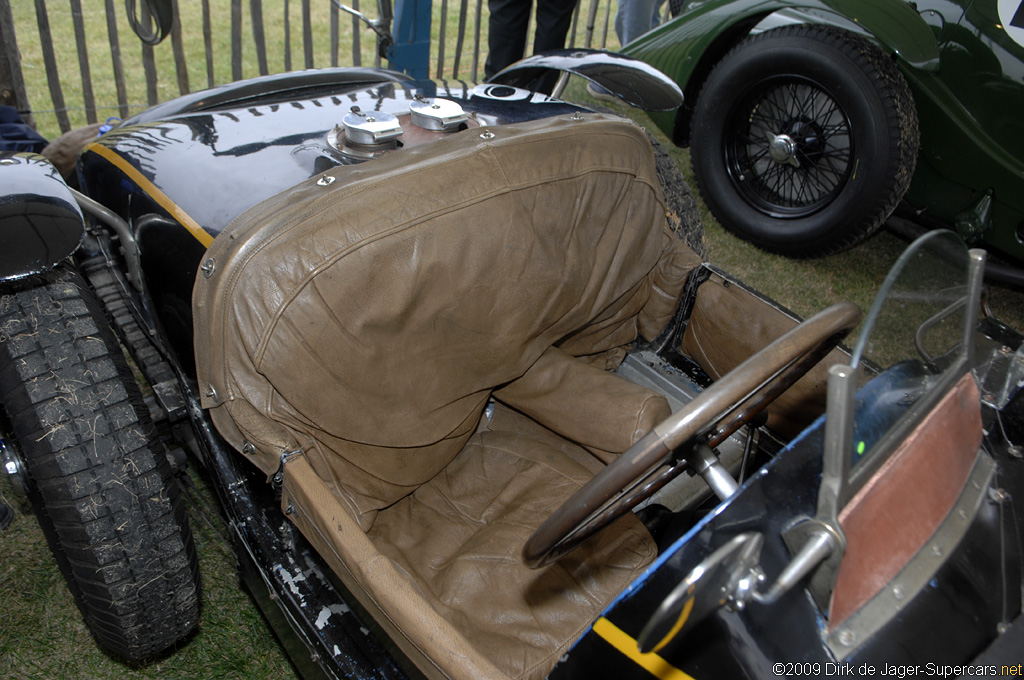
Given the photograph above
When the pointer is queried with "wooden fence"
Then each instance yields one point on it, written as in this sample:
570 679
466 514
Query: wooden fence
66 64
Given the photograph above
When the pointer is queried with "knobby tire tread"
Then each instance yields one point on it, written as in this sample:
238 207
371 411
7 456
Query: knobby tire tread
99 480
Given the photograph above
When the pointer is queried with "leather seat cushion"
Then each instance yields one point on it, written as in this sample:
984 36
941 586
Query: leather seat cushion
459 537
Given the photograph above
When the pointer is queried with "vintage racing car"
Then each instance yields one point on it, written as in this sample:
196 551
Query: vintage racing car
475 406
809 121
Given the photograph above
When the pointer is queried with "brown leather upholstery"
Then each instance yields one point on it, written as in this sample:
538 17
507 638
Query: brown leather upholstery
728 324
501 486
368 321
585 403
440 570
371 321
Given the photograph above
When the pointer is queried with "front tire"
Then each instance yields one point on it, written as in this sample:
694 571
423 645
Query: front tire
98 478
804 140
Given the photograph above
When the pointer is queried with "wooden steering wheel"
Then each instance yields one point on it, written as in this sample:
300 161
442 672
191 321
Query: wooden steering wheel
670 447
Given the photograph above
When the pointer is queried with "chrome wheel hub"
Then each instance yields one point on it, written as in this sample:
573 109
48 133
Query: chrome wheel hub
12 465
782 149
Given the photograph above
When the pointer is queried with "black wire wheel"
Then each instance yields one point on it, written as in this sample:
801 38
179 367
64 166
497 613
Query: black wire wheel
804 140
98 477
793 147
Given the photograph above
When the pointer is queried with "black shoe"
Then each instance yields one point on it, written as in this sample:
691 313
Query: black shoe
6 516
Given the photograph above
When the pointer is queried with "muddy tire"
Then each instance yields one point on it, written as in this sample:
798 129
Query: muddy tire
804 139
98 479
681 208
680 204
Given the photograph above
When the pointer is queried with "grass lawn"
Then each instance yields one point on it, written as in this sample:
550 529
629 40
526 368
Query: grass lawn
41 632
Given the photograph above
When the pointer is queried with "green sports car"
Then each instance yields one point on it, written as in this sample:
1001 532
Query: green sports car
809 121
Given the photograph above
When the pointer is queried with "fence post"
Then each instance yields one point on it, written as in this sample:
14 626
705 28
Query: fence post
411 51
12 83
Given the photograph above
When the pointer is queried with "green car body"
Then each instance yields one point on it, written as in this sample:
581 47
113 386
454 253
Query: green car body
965 68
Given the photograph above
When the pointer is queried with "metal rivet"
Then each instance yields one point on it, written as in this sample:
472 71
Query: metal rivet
209 267
487 134
847 638
897 592
8 161
290 510
937 550
325 181
1016 451
998 495
212 393
576 116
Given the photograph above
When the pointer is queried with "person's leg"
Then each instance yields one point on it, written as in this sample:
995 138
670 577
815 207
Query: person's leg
635 17
506 40
554 17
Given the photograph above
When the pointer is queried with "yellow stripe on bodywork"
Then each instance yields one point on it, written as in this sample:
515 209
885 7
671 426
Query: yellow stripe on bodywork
680 622
651 662
160 197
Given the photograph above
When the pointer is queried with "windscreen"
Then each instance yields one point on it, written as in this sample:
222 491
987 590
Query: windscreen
919 312
912 336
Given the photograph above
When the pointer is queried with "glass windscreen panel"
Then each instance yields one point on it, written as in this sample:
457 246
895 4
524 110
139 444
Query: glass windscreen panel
912 337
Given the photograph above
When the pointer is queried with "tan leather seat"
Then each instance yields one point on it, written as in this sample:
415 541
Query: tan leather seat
369 321
460 536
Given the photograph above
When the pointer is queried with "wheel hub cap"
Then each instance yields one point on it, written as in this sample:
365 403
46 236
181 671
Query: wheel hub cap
13 465
782 149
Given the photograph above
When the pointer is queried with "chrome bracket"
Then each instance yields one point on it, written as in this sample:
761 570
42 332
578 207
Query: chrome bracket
277 479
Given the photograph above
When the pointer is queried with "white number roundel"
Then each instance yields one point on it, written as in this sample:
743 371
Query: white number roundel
1011 15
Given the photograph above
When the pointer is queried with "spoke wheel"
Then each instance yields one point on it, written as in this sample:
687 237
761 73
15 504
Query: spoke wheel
793 148
804 140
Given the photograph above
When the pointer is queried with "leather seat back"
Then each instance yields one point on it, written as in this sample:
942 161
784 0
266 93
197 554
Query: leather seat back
368 320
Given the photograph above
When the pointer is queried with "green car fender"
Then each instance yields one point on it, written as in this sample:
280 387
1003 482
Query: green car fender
687 47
